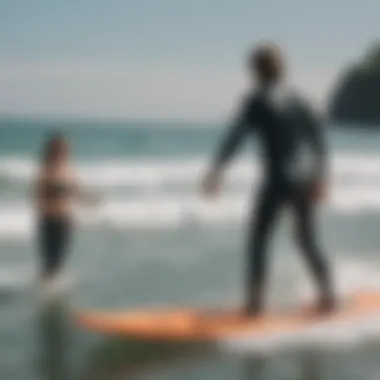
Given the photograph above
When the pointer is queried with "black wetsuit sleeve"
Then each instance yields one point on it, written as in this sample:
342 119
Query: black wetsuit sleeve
236 133
316 136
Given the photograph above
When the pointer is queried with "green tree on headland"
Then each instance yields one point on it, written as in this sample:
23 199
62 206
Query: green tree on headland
372 58
355 97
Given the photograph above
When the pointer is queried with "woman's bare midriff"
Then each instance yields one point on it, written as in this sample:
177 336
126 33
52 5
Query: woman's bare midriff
57 208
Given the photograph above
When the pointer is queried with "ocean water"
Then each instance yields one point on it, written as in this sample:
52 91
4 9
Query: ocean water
153 240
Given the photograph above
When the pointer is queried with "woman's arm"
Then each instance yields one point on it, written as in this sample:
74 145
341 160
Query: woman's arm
38 191
80 193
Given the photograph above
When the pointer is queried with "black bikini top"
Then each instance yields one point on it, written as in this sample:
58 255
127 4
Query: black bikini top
58 189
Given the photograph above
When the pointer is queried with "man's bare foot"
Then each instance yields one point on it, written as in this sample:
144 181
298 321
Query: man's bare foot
326 305
252 311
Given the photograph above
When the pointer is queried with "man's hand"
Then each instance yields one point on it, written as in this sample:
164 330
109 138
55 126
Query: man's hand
211 184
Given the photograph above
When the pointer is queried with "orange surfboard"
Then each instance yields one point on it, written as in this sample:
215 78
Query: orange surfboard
190 324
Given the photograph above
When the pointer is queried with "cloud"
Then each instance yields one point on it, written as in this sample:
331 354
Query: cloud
106 89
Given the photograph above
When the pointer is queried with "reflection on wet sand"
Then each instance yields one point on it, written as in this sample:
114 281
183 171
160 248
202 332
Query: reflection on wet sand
310 365
306 366
53 342
115 358
118 357
254 367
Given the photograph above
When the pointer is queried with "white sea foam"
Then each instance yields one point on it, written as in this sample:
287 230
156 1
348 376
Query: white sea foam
351 276
329 335
169 211
158 203
122 172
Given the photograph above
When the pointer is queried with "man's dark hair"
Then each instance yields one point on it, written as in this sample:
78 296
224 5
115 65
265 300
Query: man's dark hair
267 61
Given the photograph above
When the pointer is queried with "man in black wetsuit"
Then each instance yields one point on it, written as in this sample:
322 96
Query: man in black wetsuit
285 124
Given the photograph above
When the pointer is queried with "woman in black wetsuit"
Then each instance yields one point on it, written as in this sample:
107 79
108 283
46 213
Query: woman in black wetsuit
56 186
284 124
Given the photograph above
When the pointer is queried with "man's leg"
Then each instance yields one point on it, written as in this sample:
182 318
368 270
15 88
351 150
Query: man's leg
307 240
261 225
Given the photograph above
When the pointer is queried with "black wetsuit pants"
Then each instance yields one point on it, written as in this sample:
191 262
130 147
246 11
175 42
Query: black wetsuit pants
54 234
274 196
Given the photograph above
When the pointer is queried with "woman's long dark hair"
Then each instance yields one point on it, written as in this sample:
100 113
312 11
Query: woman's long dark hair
52 145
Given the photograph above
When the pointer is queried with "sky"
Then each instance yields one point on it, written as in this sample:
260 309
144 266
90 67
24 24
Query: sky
167 59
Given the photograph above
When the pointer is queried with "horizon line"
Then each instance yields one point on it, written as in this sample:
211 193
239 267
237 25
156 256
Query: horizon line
70 118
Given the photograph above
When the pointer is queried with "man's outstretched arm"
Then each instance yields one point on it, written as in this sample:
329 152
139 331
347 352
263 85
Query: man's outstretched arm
230 143
235 135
